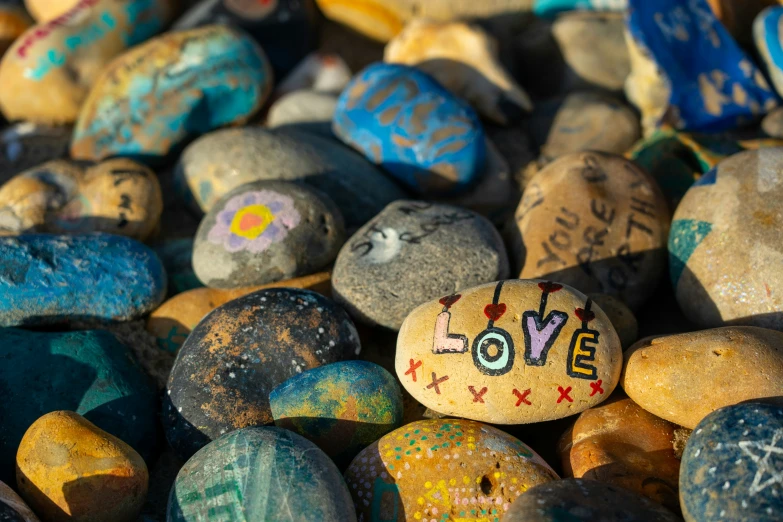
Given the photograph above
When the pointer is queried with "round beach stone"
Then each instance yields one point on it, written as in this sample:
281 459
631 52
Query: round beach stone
13 508
397 260
264 232
148 101
731 465
585 500
668 375
403 120
594 221
237 354
88 372
69 469
342 407
312 109
265 474
622 318
453 467
772 124
45 10
493 353
26 145
619 443
724 245
117 196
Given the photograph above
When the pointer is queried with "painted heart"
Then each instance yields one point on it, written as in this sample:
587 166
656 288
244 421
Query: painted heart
495 311
550 287
449 300
249 221
584 315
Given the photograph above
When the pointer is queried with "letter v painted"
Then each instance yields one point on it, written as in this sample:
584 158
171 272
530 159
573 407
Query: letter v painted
540 336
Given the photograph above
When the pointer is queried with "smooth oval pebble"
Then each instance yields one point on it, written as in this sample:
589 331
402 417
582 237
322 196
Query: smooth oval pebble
669 375
44 10
622 318
264 232
236 355
26 145
731 465
267 474
403 120
512 352
151 99
69 469
454 467
307 109
13 508
342 407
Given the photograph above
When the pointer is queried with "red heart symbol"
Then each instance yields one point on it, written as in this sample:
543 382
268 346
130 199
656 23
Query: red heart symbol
584 315
449 300
550 287
495 311
249 221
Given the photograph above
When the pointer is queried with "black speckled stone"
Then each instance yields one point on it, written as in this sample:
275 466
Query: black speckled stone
732 467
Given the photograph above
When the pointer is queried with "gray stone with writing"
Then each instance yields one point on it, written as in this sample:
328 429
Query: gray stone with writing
413 252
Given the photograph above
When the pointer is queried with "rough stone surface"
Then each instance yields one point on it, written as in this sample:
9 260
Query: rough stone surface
621 316
13 508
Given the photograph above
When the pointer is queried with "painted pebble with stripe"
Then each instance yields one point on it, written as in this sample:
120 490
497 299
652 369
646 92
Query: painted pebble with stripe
511 352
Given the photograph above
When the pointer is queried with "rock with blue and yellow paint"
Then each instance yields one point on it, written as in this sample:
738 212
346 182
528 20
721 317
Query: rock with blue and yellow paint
767 36
343 407
48 72
403 120
153 98
444 469
547 8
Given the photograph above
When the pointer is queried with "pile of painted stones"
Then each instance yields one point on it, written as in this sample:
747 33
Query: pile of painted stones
391 260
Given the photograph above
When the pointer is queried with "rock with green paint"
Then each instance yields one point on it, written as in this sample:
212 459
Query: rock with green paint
268 474
725 253
343 407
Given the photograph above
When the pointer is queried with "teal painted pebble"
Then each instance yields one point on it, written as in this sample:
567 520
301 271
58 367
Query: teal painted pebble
150 100
89 372
260 474
343 407
51 279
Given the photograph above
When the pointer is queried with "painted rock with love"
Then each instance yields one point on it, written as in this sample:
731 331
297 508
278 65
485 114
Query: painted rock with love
238 353
731 465
619 443
512 352
13 508
403 120
48 72
89 372
342 407
26 145
69 469
668 375
264 474
119 279
150 100
14 21
443 469
594 221
118 196
395 262
724 245
546 8
577 499
264 232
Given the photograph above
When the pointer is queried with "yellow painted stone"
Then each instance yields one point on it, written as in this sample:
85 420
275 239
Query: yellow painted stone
683 378
9 497
45 10
512 352
68 469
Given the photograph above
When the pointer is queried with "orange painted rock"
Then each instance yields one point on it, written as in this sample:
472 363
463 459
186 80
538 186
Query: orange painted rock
13 508
14 21
68 469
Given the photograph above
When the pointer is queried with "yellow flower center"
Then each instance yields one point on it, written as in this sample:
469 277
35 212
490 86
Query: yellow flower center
251 221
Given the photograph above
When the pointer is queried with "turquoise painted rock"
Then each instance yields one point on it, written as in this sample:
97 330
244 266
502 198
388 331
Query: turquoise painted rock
548 8
89 372
405 121
260 474
101 278
343 407
177 258
150 100
767 36
732 468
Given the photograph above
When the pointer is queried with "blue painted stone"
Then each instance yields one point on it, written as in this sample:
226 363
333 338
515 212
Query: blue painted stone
732 466
177 257
343 407
767 36
89 372
147 103
685 236
260 474
405 121
53 279
548 8
714 84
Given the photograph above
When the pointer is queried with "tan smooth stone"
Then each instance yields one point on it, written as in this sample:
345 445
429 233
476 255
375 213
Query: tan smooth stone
594 221
513 352
464 59
619 443
9 497
117 196
683 378
45 10
623 320
14 21
68 469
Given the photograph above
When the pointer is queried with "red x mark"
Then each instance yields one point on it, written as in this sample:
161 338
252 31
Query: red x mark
477 397
564 394
435 382
522 396
412 370
596 386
